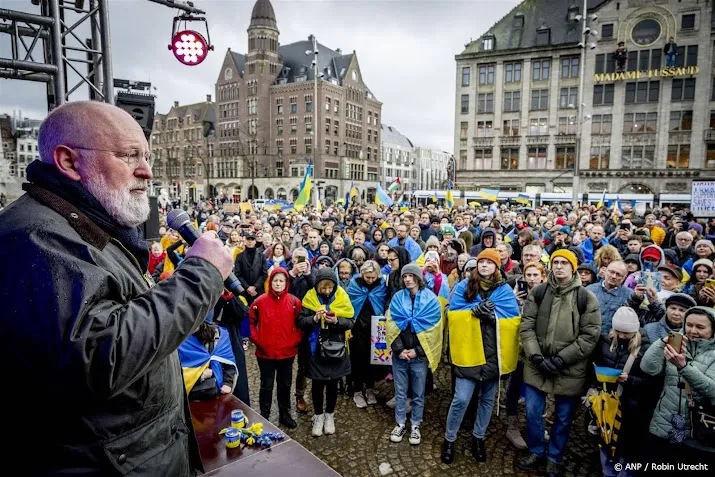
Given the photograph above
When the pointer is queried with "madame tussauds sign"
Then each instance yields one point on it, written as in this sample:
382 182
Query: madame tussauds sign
646 74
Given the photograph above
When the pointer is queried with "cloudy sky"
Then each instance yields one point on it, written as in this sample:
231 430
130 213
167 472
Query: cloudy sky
405 48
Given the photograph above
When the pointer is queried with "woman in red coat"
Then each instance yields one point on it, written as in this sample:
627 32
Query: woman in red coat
273 331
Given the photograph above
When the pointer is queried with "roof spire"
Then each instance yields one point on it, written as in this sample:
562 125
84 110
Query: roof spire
263 15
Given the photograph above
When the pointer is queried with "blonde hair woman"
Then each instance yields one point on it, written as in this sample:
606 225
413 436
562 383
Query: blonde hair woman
604 257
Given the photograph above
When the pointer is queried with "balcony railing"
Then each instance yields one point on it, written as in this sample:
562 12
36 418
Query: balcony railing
483 141
565 139
542 139
511 140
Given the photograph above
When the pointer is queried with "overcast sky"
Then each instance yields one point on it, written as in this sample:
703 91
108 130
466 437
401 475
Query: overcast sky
405 49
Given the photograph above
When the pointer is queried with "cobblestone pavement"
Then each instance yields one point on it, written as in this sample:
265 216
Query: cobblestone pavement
361 445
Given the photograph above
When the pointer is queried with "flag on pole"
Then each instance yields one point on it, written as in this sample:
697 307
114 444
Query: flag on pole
489 194
394 186
304 193
523 199
381 197
353 192
449 199
602 201
434 197
319 205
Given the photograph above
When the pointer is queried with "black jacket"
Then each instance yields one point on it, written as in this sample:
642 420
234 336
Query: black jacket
251 272
79 311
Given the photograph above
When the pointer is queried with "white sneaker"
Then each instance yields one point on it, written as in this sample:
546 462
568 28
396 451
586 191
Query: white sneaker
318 421
329 425
415 436
397 433
370 397
359 401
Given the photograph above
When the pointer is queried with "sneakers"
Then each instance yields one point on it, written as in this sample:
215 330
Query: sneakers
300 405
398 433
329 424
513 434
318 422
359 400
391 404
370 397
415 436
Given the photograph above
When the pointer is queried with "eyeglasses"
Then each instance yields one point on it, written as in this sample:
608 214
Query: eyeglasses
130 158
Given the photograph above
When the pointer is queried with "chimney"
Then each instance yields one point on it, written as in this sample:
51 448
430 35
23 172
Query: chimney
338 51
208 98
176 104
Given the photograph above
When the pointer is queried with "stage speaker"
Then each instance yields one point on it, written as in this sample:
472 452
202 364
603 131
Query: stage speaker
150 228
140 107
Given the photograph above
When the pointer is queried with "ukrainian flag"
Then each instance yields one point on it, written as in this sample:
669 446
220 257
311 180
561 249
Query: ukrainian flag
605 374
602 201
353 192
489 194
449 199
195 358
523 199
381 197
465 334
434 197
304 194
423 315
340 202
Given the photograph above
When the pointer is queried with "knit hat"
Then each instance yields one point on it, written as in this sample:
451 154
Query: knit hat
490 254
677 272
432 256
682 299
560 221
707 243
564 229
432 241
702 261
568 255
471 264
412 268
625 320
697 227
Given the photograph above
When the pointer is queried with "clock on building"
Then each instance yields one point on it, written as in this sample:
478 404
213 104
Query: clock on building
228 74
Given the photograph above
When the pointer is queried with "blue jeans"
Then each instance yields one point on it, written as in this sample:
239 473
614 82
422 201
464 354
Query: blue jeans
463 390
669 60
405 372
608 466
563 417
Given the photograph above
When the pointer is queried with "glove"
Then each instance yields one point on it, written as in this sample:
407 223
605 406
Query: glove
484 310
557 363
547 369
536 359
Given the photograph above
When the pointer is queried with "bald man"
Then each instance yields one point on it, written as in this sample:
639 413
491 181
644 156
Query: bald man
87 339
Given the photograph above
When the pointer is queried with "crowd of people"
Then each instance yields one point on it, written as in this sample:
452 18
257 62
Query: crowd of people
531 300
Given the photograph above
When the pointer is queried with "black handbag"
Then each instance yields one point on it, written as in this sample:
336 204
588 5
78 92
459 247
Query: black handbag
331 348
702 419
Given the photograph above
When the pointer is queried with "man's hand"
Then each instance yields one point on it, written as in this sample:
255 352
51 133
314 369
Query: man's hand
252 291
652 294
623 377
210 248
225 389
640 291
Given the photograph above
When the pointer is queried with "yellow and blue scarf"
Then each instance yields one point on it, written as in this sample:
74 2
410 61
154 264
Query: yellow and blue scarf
424 317
359 293
339 304
195 358
465 334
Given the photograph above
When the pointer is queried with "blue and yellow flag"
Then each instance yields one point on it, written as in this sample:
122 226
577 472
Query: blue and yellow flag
489 194
465 334
195 358
602 201
523 199
359 294
424 316
304 193
339 304
381 197
353 192
434 197
449 199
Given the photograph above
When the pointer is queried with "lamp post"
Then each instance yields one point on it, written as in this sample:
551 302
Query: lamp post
316 109
586 31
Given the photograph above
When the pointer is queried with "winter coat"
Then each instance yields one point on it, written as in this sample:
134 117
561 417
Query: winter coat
104 340
659 329
650 314
683 255
609 301
554 328
251 272
476 249
394 281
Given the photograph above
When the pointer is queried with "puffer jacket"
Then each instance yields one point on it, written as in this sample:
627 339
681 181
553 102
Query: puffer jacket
273 316
104 341
554 328
699 372
646 314
659 329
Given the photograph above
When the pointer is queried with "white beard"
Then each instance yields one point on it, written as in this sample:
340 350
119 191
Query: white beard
127 209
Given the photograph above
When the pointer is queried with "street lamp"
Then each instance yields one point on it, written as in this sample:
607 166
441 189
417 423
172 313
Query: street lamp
316 108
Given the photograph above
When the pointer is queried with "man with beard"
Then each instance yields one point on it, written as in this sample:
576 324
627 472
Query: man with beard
101 335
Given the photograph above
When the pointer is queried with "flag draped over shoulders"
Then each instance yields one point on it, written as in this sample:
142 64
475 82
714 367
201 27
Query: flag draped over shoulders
358 294
339 304
410 245
425 318
195 358
465 335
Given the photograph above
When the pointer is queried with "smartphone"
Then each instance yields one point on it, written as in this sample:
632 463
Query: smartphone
710 282
300 259
522 287
675 339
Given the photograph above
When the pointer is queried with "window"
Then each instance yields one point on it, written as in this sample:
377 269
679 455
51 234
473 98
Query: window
252 106
681 120
293 145
568 98
462 161
518 21
605 64
486 74
327 104
279 126
327 125
336 127
599 157
638 157
601 124
683 89
687 56
570 67
645 59
308 103
643 92
567 125
463 131
279 147
539 99
536 158
485 103
678 156
279 105
712 91
483 159
512 101
539 127
603 94
512 72
308 124
639 122
688 22
607 30
511 127
308 145
485 129
293 125
465 76
565 157
336 107
543 36
540 70
710 157
488 44
509 159
465 104
327 146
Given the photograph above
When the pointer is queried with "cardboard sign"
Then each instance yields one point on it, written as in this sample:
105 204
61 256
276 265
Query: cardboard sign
380 352
702 198
231 208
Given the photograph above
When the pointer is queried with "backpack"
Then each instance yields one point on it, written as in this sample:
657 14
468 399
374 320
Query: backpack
581 298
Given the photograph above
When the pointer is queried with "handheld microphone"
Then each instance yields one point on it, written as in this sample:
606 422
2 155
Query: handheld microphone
180 221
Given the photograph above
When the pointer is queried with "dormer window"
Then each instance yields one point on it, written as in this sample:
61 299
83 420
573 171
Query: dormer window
487 43
518 21
573 11
543 36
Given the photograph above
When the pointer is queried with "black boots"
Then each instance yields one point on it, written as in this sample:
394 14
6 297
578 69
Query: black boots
479 452
447 452
286 420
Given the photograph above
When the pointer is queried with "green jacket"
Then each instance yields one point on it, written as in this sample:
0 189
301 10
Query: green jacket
699 372
554 328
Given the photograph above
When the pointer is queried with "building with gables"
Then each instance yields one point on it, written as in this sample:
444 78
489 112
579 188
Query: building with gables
270 125
520 122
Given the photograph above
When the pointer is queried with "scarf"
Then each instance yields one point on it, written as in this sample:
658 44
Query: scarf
49 178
